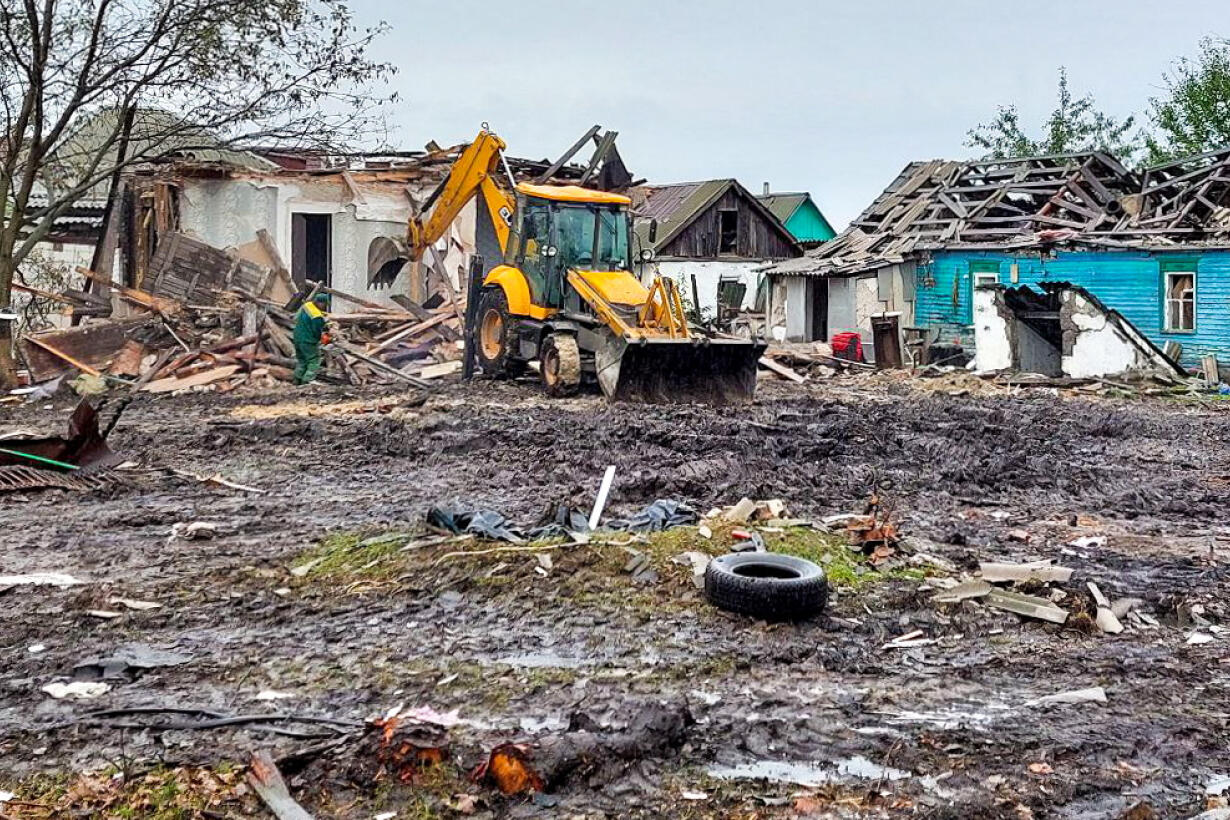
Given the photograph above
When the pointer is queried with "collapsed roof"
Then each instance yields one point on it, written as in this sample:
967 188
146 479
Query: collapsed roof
1088 198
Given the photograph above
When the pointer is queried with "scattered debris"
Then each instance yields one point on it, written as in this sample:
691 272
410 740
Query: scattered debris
127 663
266 780
77 690
193 530
508 767
52 579
272 694
1029 606
1106 619
130 603
964 591
1044 571
1094 694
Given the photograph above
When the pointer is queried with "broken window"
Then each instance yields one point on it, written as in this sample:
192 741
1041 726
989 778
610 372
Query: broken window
984 273
728 231
1180 301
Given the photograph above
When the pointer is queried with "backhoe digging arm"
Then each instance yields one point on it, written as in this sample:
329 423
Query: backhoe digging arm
473 173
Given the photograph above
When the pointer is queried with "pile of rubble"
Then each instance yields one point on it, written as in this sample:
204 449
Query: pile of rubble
215 320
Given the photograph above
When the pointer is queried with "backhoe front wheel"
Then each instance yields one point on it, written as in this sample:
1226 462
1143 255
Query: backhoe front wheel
496 335
559 361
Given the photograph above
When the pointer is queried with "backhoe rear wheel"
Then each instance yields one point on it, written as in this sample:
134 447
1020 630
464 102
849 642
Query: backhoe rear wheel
496 335
559 361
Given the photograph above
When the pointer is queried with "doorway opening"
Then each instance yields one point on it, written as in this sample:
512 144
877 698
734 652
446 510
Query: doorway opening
311 239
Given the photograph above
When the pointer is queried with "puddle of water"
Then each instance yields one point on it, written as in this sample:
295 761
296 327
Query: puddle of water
802 773
541 660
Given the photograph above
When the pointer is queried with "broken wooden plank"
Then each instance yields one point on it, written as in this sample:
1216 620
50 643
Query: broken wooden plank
376 363
195 380
82 366
128 361
435 371
1208 368
1029 606
411 331
264 777
142 298
781 370
1044 571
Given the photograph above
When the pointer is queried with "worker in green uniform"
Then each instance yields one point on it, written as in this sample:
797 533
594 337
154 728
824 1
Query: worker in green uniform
311 331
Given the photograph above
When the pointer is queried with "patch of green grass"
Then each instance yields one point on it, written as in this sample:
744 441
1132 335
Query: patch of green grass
372 554
843 566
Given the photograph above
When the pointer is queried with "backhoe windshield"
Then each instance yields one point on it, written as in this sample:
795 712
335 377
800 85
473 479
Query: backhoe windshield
592 237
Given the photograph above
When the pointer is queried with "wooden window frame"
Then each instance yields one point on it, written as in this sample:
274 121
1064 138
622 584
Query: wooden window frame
1179 268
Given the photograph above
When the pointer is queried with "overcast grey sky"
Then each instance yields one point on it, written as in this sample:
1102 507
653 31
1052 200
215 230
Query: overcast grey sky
833 98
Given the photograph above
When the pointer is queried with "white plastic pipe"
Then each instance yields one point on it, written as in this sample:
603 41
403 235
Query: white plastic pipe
603 492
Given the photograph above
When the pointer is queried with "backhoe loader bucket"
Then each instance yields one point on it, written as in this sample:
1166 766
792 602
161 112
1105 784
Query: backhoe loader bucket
664 371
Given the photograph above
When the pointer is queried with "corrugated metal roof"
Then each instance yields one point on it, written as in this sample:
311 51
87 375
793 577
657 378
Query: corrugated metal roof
673 206
783 205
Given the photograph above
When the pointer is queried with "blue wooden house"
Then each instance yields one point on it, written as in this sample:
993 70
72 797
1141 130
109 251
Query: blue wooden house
1153 246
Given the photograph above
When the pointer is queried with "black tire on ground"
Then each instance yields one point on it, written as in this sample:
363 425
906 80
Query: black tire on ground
496 335
766 585
559 361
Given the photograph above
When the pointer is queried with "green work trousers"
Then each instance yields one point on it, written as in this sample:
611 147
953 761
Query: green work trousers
307 357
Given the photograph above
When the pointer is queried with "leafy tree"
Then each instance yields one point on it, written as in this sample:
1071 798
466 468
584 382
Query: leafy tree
1194 116
88 87
1075 125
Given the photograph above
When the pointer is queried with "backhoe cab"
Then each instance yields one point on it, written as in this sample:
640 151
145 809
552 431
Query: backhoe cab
566 295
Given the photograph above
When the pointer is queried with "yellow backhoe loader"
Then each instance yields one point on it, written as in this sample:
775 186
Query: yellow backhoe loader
565 293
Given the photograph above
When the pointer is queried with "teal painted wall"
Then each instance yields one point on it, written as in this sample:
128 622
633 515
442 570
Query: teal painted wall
1131 283
807 224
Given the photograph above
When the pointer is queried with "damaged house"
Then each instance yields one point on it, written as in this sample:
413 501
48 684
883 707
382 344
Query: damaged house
714 234
337 221
1152 248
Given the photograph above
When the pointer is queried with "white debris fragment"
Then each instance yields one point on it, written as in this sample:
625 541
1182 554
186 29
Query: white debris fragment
707 698
105 614
35 648
305 568
6 796
272 694
132 603
1198 638
190 530
39 579
1044 571
1088 541
78 689
909 640
1095 694
384 815
691 795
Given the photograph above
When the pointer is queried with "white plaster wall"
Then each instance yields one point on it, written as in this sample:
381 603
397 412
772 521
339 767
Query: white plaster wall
992 349
228 213
1099 348
707 276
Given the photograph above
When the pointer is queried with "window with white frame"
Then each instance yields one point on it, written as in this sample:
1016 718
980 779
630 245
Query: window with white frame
1180 291
981 279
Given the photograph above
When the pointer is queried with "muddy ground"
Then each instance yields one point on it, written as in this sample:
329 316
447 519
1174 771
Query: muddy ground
522 647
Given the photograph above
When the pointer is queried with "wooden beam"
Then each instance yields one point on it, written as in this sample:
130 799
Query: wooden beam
551 171
59 354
